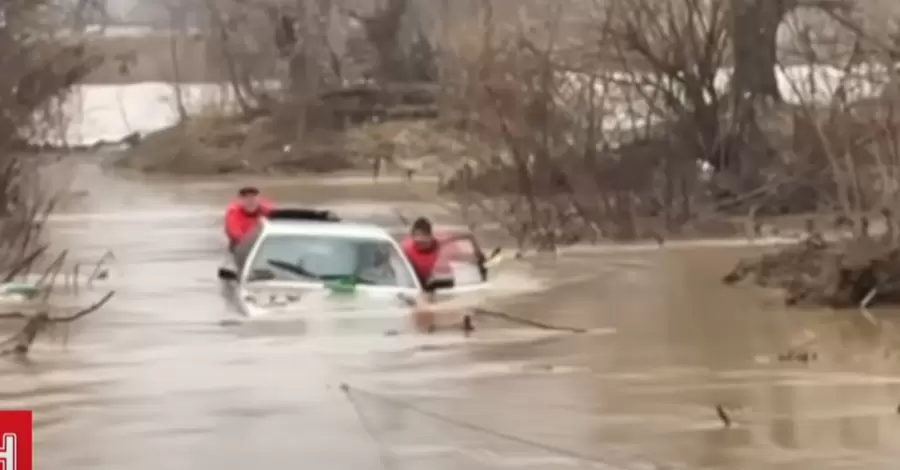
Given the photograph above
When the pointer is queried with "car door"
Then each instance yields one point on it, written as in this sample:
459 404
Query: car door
460 260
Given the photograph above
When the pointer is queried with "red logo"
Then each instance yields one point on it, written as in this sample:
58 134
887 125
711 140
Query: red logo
15 440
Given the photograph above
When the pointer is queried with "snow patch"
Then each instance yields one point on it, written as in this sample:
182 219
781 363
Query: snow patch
107 113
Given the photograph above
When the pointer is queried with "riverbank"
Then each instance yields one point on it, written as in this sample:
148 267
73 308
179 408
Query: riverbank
108 108
142 120
223 145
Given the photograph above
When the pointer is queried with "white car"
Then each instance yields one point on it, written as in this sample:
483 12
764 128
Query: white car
300 257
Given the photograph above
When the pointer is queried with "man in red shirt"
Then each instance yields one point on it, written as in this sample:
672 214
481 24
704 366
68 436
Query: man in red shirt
243 214
431 254
422 248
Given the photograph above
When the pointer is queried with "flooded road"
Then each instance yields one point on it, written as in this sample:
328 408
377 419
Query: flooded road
154 381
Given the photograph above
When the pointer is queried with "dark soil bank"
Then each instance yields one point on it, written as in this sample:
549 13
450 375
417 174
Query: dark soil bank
851 270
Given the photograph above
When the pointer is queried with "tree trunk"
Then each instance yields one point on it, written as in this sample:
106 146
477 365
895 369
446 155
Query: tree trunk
383 30
306 66
755 43
177 32
226 56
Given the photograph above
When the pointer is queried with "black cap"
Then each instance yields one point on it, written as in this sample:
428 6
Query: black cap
248 191
422 225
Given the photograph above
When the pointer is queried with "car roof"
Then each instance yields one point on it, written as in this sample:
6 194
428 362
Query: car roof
335 229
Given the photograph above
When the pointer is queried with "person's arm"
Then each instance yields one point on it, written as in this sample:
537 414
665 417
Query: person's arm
479 256
265 207
452 252
455 237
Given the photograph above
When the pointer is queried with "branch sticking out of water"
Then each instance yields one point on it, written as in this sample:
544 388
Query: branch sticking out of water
864 305
21 342
402 218
468 327
351 392
525 321
723 415
99 271
25 263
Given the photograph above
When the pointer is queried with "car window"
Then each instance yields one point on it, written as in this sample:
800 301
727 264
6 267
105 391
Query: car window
459 259
306 257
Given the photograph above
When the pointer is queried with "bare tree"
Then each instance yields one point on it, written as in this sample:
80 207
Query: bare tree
40 70
612 129
755 43
178 32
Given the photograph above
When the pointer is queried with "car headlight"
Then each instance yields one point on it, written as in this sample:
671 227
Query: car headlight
271 300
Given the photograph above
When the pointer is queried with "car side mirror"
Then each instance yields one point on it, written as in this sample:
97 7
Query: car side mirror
438 284
226 274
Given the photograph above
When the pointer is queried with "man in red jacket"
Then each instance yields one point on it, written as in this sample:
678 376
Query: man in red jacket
422 248
431 253
243 214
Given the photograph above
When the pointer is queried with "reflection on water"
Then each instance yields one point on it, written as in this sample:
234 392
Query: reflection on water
155 380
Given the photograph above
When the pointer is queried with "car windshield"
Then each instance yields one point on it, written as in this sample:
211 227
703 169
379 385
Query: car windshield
326 258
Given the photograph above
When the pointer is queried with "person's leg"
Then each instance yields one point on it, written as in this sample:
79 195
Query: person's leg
423 314
427 319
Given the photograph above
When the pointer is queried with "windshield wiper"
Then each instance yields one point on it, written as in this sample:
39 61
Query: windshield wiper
353 277
293 269
300 271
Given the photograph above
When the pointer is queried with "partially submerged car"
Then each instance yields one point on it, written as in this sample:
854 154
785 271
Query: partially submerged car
296 255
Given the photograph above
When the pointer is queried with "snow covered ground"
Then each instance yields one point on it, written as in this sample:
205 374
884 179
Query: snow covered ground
109 112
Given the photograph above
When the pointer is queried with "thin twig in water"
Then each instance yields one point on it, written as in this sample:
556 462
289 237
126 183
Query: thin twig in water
75 272
384 453
402 218
723 416
401 404
863 306
80 313
505 316
525 321
54 267
96 273
25 263
52 272
23 340
85 311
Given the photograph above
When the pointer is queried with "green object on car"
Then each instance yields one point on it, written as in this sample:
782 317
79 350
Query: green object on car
345 285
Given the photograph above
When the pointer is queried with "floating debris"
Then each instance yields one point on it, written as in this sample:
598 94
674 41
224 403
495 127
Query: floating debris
467 326
798 356
723 415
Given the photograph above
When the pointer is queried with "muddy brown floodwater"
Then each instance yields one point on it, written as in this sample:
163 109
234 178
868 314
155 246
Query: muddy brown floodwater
153 381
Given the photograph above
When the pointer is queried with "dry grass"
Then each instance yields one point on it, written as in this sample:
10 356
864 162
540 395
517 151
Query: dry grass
205 145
